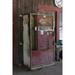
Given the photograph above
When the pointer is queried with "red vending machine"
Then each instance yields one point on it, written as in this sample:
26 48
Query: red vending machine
43 35
43 40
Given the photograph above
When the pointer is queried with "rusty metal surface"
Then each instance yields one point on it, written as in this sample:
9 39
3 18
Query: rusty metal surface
42 57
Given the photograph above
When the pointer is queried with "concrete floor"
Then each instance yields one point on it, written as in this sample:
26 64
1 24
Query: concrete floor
52 70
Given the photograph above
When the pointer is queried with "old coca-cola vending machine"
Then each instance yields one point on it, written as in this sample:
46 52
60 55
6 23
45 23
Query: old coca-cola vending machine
39 45
40 32
43 39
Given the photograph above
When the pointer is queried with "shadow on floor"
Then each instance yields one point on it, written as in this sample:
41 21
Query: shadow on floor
51 70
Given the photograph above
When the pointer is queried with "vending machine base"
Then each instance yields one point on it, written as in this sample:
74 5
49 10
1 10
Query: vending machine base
42 66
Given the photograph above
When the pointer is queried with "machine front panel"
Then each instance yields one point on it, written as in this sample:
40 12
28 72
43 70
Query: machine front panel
42 38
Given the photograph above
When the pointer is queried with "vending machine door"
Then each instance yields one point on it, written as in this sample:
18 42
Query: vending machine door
42 33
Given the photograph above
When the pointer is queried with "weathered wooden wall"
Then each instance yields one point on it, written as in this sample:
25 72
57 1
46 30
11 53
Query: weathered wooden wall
27 6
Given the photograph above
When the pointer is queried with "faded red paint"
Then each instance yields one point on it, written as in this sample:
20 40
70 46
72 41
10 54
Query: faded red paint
49 8
46 56
43 57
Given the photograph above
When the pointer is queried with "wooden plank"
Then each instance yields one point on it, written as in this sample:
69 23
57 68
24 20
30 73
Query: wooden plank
25 6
